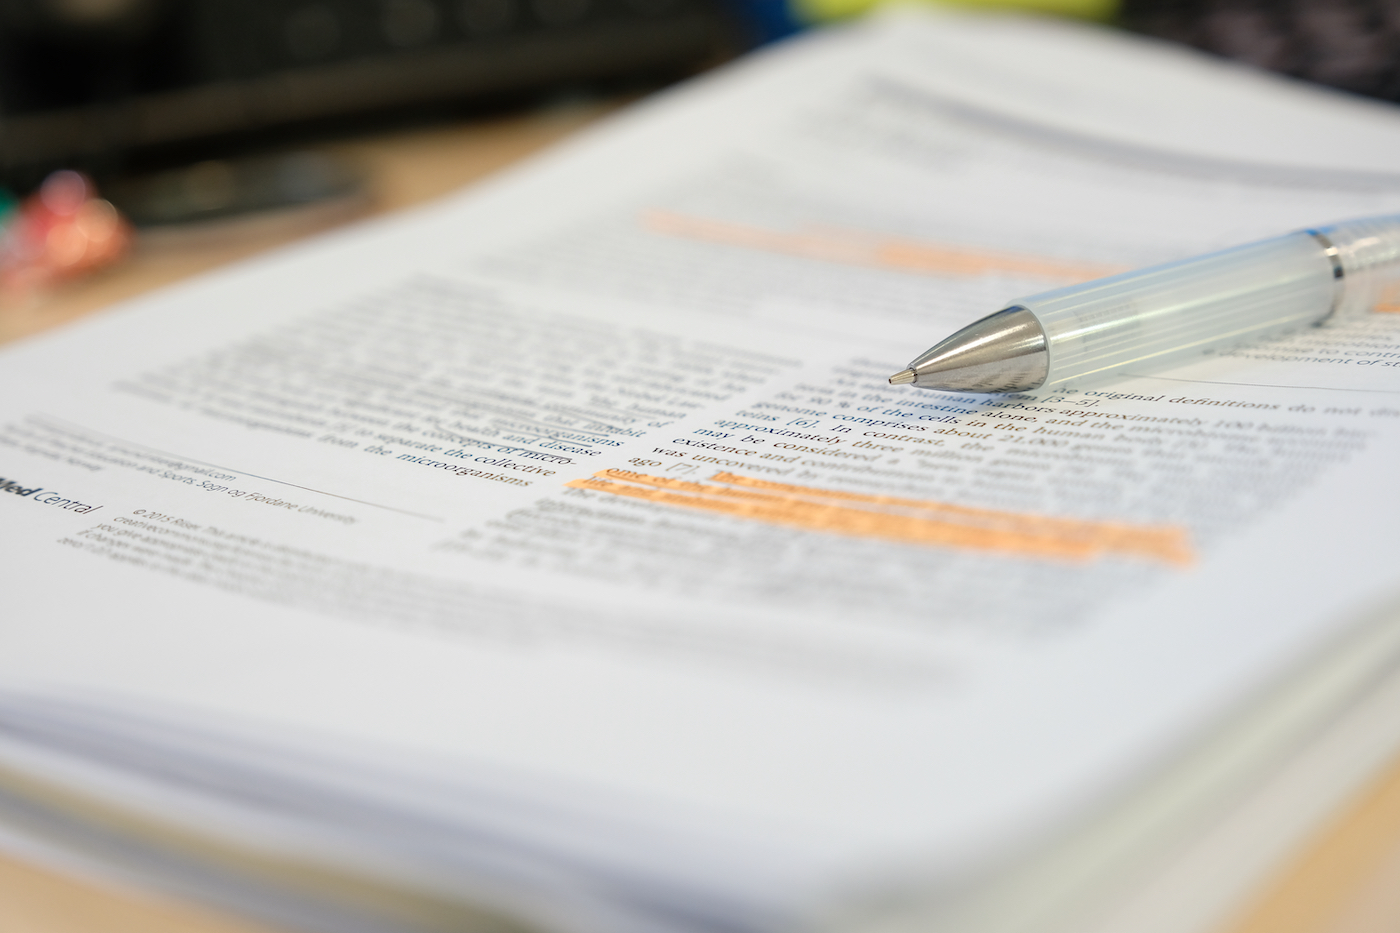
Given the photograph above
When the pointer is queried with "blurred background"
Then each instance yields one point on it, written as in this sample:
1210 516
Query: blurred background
132 125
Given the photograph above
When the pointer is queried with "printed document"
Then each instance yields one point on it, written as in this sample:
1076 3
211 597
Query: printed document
560 551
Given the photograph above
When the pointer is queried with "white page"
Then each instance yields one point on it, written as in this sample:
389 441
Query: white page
716 284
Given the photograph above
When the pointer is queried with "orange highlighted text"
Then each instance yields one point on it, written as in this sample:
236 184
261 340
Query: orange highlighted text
855 247
904 521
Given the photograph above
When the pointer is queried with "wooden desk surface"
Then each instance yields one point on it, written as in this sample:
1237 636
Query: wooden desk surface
1347 880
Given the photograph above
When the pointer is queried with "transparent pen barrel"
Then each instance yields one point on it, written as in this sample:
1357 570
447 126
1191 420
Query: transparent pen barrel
1369 252
1155 317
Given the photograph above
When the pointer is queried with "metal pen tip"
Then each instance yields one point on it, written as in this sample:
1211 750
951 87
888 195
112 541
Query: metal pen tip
904 378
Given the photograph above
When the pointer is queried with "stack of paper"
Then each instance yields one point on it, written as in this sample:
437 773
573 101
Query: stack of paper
558 558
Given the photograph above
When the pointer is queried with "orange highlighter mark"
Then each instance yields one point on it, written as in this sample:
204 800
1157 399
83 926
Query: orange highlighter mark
905 521
863 249
1389 299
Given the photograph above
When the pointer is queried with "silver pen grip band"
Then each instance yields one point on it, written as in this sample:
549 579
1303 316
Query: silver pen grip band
1154 317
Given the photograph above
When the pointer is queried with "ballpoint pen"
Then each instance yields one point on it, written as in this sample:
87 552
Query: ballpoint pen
1165 314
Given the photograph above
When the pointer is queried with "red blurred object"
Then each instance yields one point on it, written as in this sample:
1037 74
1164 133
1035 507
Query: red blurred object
60 232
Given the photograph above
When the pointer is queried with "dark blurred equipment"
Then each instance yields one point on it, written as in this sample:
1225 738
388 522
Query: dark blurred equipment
86 83
216 189
1349 44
